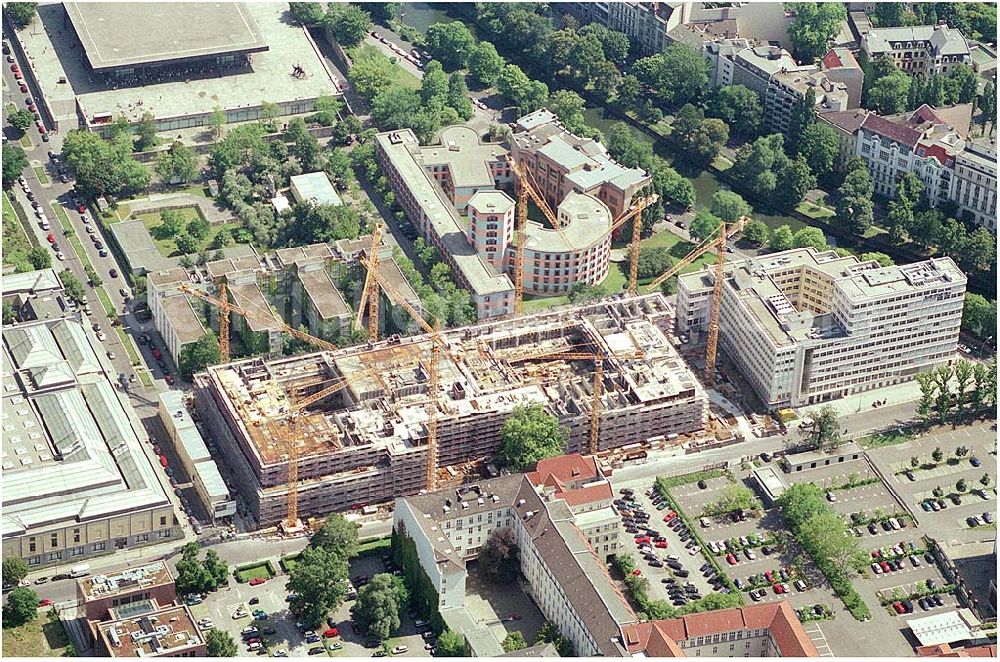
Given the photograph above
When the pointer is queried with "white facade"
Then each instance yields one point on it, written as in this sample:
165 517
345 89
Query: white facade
975 188
806 327
922 49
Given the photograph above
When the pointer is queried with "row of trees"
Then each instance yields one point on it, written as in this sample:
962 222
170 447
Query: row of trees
200 575
954 392
887 89
825 536
976 20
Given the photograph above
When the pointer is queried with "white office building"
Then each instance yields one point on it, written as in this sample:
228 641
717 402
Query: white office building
805 326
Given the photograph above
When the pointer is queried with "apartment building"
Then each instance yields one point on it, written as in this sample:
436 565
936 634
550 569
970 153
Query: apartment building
975 189
645 23
920 142
805 326
846 123
577 480
146 629
101 593
922 49
76 480
561 162
297 286
491 225
565 579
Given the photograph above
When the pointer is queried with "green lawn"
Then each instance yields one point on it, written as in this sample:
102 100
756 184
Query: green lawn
109 307
43 637
40 173
145 378
248 572
133 354
15 242
813 210
165 244
58 210
887 439
400 76
379 545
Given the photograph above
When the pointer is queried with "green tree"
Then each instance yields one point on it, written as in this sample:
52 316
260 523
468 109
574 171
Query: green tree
319 578
93 277
14 162
14 567
755 233
21 607
807 237
458 95
980 251
937 455
937 491
803 116
103 167
217 568
985 480
171 222
979 316
889 93
914 461
383 12
198 228
217 120
824 431
40 258
514 642
782 238
653 261
820 146
327 109
569 108
988 104
337 535
377 608
962 451
740 108
812 27
485 64
21 14
186 244
704 225
549 634
882 259
198 355
177 164
346 24
584 292
220 643
730 206
72 285
434 86
145 133
21 119
450 644
676 76
854 199
499 556
193 575
961 486
735 498
451 43
306 13
515 86
531 434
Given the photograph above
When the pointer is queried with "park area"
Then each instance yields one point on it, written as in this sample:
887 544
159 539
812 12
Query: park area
42 637
169 229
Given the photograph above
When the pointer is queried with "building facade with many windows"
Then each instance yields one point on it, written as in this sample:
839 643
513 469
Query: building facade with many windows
921 49
976 183
805 327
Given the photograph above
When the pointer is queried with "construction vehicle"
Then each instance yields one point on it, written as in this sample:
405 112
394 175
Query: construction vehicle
718 242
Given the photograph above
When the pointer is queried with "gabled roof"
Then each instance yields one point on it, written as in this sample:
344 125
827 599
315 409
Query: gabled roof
896 132
845 120
661 638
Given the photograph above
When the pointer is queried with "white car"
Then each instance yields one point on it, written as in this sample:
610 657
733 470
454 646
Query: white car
101 336
831 497
60 256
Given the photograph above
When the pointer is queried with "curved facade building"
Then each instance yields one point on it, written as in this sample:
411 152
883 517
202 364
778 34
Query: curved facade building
551 266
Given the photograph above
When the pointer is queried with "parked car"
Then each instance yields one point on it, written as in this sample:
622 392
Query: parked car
256 581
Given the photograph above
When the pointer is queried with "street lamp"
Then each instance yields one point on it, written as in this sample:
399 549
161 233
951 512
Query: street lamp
984 345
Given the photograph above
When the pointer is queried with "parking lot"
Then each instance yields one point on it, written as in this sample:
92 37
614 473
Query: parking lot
279 632
676 551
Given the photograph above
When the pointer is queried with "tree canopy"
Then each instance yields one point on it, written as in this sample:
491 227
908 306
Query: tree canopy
104 167
676 76
220 643
319 579
811 28
14 162
21 607
337 535
377 609
531 434
198 355
347 24
21 13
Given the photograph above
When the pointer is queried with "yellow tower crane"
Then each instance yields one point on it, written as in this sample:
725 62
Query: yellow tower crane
369 295
718 242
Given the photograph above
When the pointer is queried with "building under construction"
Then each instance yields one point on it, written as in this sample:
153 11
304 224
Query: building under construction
367 442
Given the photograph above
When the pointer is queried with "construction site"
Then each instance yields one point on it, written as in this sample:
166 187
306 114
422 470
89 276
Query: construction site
340 429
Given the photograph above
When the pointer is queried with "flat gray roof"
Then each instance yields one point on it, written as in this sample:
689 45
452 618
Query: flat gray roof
119 34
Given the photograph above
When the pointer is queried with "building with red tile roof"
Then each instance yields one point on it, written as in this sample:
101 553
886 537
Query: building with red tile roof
764 630
944 650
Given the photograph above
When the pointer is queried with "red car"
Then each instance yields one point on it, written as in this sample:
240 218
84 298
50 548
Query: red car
45 602
885 567
770 575
730 559
331 633
637 572
168 378
14 67
898 606
662 544
876 554
157 354
24 88
669 516
779 589
80 208
51 238
18 75
163 460
643 540
31 107
257 581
